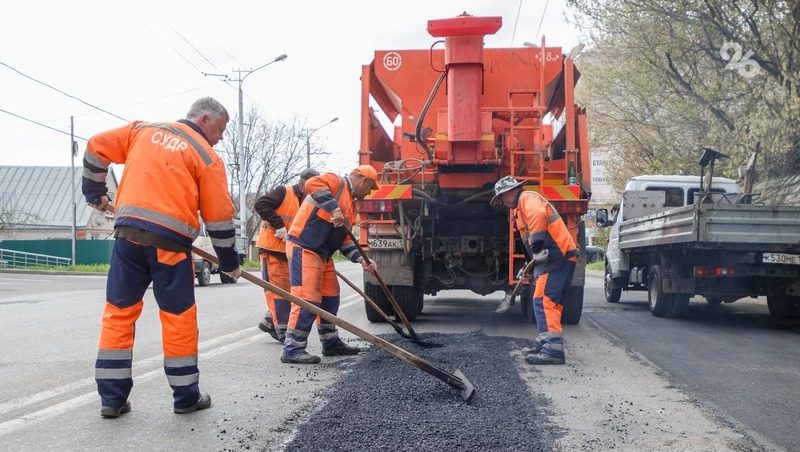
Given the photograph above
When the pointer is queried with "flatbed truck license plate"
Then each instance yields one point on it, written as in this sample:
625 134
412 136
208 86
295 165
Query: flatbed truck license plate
781 258
386 243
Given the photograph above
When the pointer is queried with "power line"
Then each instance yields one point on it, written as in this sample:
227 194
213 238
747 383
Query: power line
516 21
191 45
542 19
42 125
62 92
160 38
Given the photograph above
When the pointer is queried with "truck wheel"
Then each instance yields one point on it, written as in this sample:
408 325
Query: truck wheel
660 303
783 306
204 274
573 306
377 295
408 297
680 303
611 291
664 304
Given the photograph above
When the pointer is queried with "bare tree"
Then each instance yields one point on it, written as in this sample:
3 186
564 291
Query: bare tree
274 154
12 216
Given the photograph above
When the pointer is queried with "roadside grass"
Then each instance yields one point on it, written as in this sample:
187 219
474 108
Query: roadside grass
251 265
89 268
599 265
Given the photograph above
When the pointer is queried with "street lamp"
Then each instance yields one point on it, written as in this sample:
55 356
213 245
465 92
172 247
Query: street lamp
308 140
240 150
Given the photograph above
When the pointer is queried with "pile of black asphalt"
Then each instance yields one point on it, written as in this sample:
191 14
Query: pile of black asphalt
385 404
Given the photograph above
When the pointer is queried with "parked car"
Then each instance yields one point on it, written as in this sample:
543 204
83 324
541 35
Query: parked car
203 269
595 254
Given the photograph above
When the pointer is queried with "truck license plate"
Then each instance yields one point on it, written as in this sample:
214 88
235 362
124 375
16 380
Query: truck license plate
781 258
386 243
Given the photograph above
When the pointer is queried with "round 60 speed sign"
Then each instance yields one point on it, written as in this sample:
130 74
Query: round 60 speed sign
392 61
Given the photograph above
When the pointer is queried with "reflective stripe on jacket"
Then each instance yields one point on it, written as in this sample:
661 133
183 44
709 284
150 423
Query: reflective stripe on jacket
286 210
541 227
171 173
312 227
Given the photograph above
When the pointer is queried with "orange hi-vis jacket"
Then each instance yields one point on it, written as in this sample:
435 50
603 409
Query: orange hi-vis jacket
171 173
541 226
312 227
286 210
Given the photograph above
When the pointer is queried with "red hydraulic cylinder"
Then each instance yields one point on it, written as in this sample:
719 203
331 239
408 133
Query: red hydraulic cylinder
464 60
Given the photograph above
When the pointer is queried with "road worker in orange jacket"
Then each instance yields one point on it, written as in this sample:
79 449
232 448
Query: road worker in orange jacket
316 233
551 247
277 209
171 173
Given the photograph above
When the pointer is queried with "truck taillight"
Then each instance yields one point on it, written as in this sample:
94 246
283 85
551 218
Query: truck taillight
714 271
376 206
569 207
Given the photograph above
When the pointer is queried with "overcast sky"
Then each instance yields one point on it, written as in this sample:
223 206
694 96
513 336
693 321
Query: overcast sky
145 59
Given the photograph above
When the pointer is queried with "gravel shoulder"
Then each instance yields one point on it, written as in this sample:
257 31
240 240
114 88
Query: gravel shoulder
608 398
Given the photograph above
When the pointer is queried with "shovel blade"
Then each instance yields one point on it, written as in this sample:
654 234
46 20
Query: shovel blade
468 391
505 305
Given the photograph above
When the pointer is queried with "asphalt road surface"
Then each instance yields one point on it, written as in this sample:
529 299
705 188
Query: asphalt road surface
723 378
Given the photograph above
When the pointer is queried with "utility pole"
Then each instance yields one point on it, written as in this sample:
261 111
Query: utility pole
73 150
241 76
308 140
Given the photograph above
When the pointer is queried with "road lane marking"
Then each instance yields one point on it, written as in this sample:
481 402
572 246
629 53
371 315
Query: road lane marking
21 402
208 349
84 399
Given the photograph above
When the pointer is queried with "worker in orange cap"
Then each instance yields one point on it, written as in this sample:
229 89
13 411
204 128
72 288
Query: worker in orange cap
316 233
277 209
171 173
551 247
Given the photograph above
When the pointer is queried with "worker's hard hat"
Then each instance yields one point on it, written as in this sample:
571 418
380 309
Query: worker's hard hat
367 171
505 184
307 174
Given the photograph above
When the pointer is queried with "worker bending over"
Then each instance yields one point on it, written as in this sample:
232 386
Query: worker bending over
548 243
316 233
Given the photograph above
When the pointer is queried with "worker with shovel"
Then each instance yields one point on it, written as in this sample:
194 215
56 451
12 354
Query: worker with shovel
171 173
553 252
277 209
315 234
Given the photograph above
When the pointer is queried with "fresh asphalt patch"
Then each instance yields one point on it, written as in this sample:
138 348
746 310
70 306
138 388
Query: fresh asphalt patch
383 403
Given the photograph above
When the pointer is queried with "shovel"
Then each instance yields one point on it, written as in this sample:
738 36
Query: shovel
397 328
397 309
456 379
508 301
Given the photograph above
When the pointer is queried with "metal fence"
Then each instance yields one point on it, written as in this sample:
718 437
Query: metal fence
21 259
87 252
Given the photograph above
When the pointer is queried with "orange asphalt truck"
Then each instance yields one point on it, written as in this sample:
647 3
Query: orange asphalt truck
463 116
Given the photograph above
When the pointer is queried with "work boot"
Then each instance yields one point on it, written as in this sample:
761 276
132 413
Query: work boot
541 359
202 403
268 327
115 411
340 348
300 358
535 349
